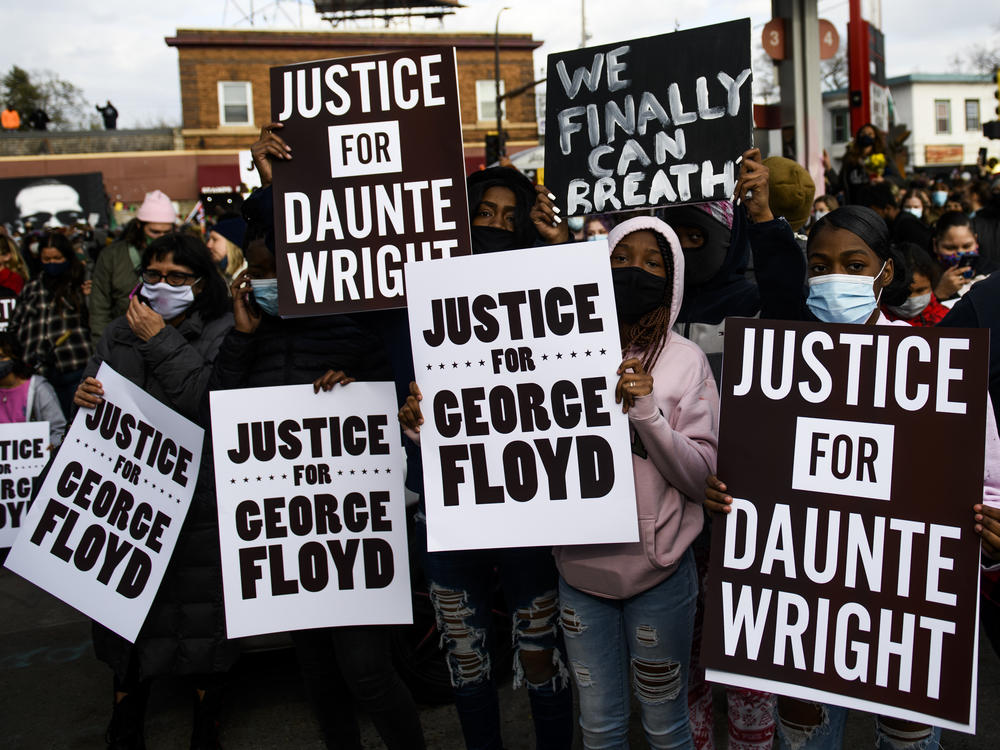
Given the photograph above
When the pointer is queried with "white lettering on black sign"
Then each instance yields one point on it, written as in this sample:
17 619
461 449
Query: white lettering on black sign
649 122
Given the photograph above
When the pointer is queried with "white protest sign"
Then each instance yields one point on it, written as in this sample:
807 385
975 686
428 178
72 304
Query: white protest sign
312 519
107 517
24 449
516 356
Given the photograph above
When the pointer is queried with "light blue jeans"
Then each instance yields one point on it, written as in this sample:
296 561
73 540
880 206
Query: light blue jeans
829 735
647 637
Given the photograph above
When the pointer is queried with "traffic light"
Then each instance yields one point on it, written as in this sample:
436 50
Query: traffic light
992 129
492 148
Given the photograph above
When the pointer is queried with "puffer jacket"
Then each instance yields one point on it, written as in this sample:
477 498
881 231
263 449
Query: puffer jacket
185 631
674 442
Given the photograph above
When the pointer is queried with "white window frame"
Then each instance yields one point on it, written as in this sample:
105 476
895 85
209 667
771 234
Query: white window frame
481 98
971 127
937 119
248 88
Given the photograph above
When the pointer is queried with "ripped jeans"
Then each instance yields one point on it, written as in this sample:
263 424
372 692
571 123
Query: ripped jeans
829 734
461 589
648 636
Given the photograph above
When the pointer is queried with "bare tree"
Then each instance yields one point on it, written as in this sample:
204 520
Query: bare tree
833 72
979 58
765 78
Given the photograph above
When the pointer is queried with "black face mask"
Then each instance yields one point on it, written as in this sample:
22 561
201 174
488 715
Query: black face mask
636 292
6 368
865 141
491 240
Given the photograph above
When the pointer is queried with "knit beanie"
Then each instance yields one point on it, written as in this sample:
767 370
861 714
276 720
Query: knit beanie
156 208
791 190
233 229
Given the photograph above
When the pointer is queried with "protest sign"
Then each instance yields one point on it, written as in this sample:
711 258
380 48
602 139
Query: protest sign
516 356
312 519
649 122
847 570
24 450
377 177
104 524
6 310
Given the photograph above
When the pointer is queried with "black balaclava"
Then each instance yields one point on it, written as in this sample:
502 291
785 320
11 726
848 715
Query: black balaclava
491 239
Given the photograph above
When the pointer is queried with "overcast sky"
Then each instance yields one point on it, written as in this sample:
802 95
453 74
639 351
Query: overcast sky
114 49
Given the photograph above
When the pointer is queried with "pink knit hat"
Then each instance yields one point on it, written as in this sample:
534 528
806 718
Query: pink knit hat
157 209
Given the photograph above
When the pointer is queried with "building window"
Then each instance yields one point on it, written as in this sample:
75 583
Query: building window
486 100
942 116
841 125
972 114
235 103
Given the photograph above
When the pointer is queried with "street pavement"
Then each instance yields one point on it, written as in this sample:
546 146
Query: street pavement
55 694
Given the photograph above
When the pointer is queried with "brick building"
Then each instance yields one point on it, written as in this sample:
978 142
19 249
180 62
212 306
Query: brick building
225 93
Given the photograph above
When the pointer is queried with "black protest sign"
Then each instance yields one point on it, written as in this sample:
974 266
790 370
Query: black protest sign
106 519
377 177
847 570
23 454
516 355
649 122
8 300
312 522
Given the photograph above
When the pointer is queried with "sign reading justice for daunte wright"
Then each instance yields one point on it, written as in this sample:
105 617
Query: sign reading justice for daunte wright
377 177
649 122
311 509
105 522
847 569
516 356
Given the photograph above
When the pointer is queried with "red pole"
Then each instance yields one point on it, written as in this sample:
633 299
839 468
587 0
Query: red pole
858 72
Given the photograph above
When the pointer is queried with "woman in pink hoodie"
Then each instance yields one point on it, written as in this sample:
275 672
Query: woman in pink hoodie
629 608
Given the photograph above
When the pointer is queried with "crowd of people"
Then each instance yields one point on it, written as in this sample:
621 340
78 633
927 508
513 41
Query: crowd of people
181 312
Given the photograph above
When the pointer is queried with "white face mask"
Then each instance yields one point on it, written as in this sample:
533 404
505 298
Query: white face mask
843 297
819 214
597 237
918 212
912 307
168 301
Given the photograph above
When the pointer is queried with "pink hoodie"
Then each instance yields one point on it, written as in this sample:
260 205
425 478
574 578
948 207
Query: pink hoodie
677 425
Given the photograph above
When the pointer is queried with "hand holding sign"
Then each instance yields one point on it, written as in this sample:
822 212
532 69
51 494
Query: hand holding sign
269 145
330 379
245 318
988 527
752 186
89 394
410 415
717 500
545 216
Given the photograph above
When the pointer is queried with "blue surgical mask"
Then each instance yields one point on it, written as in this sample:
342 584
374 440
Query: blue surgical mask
575 223
597 237
939 197
918 212
843 297
265 291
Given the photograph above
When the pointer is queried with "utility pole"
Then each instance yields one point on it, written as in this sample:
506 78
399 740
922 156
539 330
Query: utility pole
584 36
501 146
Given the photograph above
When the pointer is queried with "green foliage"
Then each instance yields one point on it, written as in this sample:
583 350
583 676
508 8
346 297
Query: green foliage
61 100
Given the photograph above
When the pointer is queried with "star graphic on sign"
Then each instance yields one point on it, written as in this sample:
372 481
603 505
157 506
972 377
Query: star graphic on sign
558 355
245 480
376 471
258 479
232 481
270 476
572 355
482 362
587 352
604 351
284 476
430 367
364 471
441 366
454 365
94 450
145 481
340 473
388 471
161 490
78 440
352 472
545 356
468 364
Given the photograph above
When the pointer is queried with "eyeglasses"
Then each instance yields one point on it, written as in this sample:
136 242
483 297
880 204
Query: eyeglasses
174 278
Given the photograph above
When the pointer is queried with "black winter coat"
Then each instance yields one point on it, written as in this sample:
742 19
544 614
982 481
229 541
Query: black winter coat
292 351
185 631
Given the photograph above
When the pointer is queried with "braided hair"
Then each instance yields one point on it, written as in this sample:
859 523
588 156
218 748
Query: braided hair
649 333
